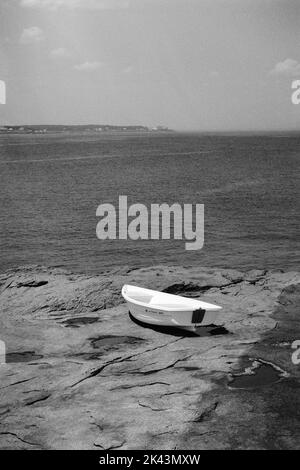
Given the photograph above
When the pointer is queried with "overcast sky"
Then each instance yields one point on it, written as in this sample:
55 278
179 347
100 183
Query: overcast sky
187 64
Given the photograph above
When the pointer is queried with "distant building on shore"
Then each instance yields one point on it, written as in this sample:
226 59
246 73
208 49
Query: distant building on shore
160 128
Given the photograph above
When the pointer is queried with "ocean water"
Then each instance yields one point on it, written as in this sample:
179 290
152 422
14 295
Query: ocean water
51 186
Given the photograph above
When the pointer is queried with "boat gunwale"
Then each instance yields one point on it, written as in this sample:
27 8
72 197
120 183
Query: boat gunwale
165 307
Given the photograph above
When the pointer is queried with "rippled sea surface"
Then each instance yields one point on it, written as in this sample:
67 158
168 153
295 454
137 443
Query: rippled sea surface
51 186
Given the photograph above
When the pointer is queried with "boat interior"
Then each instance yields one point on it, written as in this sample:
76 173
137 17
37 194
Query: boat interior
156 300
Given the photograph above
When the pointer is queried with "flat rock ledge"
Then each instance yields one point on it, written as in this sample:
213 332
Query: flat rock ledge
81 374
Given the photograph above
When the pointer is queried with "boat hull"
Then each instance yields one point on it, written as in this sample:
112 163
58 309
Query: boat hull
164 309
179 318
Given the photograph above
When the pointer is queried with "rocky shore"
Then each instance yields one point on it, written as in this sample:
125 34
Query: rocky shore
80 374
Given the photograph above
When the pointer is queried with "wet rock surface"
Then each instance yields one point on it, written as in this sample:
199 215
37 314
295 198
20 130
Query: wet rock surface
81 374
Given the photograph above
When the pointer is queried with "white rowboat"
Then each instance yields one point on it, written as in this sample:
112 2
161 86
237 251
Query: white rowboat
162 309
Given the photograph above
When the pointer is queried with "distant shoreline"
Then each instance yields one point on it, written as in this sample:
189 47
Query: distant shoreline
41 129
95 128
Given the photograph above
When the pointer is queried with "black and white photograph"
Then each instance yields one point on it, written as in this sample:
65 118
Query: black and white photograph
149 228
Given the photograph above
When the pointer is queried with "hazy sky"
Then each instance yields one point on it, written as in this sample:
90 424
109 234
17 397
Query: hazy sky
187 64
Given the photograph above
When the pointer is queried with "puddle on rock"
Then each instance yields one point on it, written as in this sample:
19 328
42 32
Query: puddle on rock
25 356
76 322
262 376
110 340
104 343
